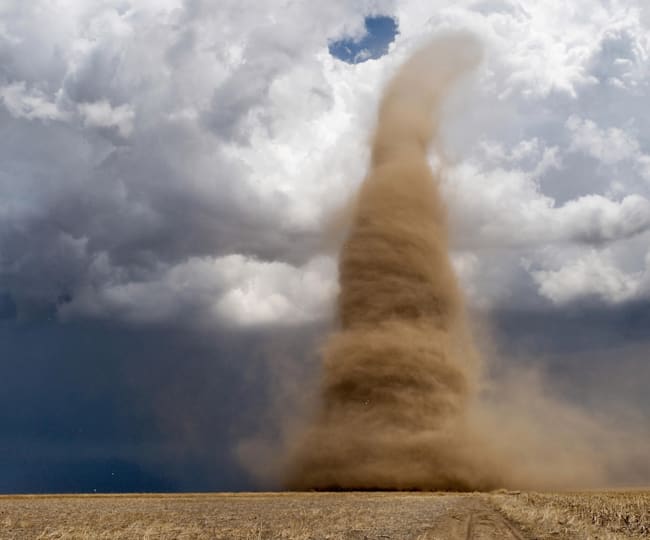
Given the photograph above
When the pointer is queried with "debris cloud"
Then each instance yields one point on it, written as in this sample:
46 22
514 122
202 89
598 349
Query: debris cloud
400 372
405 399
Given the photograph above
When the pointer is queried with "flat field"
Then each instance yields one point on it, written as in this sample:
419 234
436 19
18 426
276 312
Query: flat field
358 516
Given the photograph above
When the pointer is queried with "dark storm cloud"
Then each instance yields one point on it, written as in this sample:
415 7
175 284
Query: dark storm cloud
156 201
127 145
580 327
164 172
114 162
592 355
100 406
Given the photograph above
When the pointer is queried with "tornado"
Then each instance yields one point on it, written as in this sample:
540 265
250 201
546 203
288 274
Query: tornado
400 370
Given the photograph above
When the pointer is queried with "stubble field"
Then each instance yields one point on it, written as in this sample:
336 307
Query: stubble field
353 516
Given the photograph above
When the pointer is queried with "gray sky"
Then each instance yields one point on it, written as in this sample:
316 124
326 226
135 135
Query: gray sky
167 170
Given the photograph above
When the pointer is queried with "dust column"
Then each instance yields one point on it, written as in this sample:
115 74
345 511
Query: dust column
400 370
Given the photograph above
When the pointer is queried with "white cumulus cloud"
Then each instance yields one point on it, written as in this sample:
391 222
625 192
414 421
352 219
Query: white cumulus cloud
175 144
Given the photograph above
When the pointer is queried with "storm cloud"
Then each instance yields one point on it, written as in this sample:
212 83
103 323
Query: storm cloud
167 170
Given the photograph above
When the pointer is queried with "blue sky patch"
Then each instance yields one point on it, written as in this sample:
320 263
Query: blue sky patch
380 33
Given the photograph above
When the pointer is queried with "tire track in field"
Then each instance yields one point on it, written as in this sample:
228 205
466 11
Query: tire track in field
485 523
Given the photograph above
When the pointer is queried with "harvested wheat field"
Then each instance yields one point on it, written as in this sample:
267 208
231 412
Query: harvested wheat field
365 515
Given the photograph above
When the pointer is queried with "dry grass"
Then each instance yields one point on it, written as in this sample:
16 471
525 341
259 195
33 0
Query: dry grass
290 516
333 516
605 515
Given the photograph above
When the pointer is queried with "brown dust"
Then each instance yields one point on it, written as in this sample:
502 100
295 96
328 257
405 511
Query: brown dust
405 401
400 371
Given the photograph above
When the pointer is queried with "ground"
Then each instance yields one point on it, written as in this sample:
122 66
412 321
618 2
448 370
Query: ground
340 516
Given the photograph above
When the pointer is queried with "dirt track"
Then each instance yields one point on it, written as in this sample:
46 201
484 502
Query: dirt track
353 516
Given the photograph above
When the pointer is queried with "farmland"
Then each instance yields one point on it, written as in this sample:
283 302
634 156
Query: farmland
608 514
336 516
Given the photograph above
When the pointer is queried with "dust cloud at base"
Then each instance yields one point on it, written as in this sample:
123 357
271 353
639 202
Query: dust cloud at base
404 401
